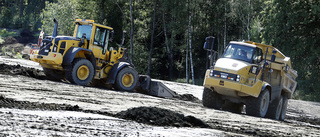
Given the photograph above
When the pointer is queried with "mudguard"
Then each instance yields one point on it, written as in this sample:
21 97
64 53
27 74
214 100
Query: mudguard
114 71
265 85
71 53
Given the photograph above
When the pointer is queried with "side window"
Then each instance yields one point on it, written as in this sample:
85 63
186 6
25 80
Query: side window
99 36
257 57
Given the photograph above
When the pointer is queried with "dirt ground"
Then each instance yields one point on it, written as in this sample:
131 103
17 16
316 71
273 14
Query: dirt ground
31 105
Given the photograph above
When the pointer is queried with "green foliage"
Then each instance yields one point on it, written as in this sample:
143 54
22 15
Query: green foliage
66 16
1 40
292 27
5 33
3 50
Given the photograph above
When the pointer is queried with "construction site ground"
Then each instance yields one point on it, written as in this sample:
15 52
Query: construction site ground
32 105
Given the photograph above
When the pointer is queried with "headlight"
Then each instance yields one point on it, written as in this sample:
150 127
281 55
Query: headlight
238 78
211 73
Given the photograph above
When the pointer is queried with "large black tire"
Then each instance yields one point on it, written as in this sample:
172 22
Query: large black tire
211 99
258 106
233 107
81 73
275 108
284 107
127 79
54 75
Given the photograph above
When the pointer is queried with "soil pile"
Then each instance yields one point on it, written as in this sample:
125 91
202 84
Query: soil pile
160 117
20 70
10 40
11 103
188 97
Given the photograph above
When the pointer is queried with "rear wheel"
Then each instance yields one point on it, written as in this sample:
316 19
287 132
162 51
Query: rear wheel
211 99
275 109
126 79
258 106
284 107
81 73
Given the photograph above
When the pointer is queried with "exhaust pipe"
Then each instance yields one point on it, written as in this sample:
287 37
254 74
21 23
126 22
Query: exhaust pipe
55 29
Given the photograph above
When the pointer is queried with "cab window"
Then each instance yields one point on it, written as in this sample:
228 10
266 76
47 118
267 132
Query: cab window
99 36
258 56
84 29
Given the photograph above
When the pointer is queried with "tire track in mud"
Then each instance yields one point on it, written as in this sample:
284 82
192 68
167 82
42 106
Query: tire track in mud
146 115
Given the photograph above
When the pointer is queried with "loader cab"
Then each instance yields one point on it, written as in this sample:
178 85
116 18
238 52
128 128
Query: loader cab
97 36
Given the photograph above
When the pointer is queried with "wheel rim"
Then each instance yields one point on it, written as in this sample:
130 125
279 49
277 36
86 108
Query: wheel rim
127 80
264 105
83 72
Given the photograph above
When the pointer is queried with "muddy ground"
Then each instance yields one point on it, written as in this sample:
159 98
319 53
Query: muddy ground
31 105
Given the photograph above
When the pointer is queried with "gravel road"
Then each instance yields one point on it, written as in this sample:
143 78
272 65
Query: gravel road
32 105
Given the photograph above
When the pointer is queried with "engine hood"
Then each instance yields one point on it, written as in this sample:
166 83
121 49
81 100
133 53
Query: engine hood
230 64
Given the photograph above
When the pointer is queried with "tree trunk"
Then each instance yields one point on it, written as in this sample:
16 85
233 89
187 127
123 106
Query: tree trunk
225 27
102 11
187 62
21 9
190 47
131 33
151 47
248 23
167 45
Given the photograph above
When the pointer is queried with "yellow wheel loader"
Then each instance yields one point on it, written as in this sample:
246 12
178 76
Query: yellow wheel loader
84 58
252 74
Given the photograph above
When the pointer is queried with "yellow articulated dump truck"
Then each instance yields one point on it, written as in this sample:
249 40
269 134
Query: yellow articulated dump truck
252 74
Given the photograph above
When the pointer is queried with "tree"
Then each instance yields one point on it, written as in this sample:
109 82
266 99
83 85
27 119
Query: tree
153 27
292 28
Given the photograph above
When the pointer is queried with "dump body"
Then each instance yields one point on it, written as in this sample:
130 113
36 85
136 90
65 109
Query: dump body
247 69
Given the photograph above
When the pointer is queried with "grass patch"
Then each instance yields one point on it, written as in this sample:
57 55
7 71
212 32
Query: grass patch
198 82
301 95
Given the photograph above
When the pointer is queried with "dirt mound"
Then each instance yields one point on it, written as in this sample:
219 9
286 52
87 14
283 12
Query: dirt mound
11 103
20 70
160 117
188 97
10 40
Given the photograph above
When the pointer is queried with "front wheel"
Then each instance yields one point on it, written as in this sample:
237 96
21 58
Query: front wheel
81 73
211 99
258 106
126 79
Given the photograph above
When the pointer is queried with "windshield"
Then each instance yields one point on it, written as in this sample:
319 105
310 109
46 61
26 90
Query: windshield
239 52
84 29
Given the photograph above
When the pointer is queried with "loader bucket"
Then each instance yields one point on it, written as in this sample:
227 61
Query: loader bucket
160 90
154 88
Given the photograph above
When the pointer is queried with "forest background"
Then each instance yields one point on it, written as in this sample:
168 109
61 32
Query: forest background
167 36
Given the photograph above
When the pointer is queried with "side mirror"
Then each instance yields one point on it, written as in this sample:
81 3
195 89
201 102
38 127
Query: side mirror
273 56
208 45
123 37
111 37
